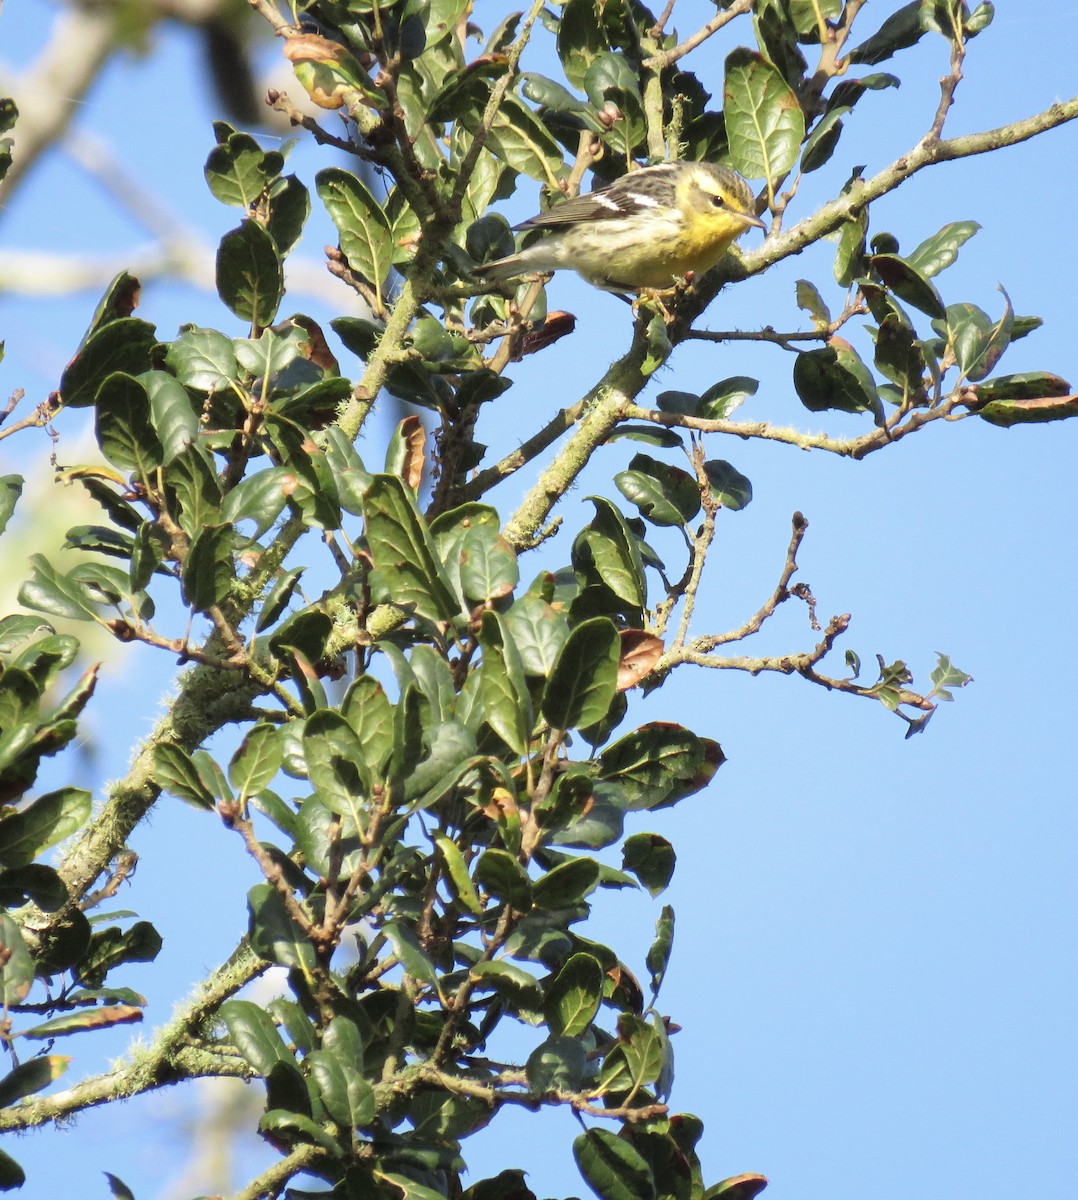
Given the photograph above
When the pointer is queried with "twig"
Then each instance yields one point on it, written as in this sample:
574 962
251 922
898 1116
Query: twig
667 58
564 419
803 664
280 102
767 609
701 543
949 83
855 448
43 413
273 1179
269 10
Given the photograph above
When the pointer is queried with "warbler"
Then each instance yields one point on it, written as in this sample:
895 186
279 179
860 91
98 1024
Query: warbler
645 230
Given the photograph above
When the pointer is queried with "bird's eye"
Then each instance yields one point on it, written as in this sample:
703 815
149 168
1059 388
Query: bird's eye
718 201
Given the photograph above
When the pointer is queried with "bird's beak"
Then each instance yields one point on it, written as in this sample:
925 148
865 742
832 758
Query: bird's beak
753 221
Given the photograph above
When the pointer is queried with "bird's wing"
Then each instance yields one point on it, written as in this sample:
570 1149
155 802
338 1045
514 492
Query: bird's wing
625 197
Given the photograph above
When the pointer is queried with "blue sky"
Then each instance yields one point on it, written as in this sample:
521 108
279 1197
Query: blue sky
875 960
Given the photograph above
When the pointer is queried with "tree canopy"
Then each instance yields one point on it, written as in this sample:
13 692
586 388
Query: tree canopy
404 692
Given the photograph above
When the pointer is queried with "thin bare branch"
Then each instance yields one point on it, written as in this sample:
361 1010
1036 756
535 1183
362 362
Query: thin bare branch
667 58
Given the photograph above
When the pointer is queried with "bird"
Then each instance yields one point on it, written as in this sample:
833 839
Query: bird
645 230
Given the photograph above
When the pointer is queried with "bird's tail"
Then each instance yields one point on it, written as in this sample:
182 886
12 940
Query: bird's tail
501 268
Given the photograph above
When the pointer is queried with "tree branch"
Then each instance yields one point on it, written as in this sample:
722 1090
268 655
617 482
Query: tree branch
170 1058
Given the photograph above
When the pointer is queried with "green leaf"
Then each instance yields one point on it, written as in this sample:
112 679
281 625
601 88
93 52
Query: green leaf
250 278
336 766
18 628
11 1174
196 493
283 1126
35 882
805 17
405 572
907 283
58 595
112 946
342 1039
119 1189
658 956
1005 413
413 958
365 235
566 884
43 823
174 771
850 261
257 760
269 354
899 355
664 494
46 658
573 996
651 859
203 359
208 570
899 31
821 142
738 1187
367 709
729 487
764 122
521 140
32 1076
650 435
254 1034
289 207
441 1116
10 491
457 869
348 1097
16 965
502 689
488 565
809 299
500 875
452 755
834 377
538 630
1029 385
172 414
724 397
122 346
583 681
945 676
558 1064
454 535
409 1189
607 549
978 342
612 1168
260 497
507 978
939 251
274 933
124 430
659 764
104 1017
238 170
638 1058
